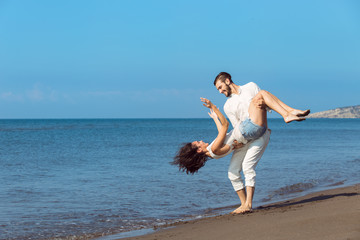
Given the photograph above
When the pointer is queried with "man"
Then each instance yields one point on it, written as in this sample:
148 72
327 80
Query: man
246 157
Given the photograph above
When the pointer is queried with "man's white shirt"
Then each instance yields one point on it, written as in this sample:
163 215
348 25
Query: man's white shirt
237 106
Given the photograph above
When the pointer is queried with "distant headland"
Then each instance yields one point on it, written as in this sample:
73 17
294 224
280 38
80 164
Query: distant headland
342 112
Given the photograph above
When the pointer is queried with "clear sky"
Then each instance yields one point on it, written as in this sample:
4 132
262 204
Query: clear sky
156 58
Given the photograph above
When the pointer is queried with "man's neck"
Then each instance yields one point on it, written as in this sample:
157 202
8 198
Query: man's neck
234 88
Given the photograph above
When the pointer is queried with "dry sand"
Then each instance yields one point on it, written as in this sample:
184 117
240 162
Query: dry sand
331 215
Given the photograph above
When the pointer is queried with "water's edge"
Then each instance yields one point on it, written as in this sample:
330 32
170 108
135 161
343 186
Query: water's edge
218 212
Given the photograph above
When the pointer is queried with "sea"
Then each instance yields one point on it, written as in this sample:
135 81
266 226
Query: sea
111 178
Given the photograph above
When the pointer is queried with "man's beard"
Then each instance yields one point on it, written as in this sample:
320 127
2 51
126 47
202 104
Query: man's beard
227 91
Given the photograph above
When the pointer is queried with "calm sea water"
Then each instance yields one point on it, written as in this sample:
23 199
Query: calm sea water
70 179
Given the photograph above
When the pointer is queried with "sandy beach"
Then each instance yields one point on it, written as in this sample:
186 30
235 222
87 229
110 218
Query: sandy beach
332 214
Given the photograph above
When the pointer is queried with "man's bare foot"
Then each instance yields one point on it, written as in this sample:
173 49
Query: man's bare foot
292 117
300 113
242 209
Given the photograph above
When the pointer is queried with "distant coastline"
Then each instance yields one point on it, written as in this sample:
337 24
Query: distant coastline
342 112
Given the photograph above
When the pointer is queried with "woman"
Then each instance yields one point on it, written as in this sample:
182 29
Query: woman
192 156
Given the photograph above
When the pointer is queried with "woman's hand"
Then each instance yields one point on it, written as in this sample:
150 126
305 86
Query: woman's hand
212 114
207 102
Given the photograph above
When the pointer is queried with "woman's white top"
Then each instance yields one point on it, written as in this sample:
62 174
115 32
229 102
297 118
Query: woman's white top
229 139
234 134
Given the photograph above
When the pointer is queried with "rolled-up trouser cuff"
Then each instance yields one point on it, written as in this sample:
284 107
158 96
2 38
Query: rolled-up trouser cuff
236 181
250 183
250 177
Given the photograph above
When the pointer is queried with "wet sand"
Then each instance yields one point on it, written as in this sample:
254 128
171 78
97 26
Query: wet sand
332 214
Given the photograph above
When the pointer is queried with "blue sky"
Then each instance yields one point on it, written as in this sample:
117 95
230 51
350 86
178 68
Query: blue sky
155 59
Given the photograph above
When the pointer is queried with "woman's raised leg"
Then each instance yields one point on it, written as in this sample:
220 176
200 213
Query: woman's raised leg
297 112
258 115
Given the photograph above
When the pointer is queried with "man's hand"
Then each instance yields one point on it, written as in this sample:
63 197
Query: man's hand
260 103
237 145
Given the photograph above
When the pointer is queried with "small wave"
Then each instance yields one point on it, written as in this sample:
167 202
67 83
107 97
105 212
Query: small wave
73 230
294 188
356 160
336 184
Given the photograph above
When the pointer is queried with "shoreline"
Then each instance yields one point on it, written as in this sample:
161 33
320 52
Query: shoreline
328 214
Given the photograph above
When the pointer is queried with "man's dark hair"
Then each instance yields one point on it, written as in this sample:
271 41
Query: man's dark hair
188 159
222 77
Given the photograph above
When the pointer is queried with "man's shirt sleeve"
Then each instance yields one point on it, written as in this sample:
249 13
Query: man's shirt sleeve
255 88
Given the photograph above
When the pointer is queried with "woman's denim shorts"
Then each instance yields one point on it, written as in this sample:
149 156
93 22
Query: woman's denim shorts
250 130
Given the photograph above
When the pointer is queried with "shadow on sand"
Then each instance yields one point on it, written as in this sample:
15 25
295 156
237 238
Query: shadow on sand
308 200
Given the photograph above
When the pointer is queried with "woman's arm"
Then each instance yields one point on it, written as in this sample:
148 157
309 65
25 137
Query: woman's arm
214 116
222 125
209 104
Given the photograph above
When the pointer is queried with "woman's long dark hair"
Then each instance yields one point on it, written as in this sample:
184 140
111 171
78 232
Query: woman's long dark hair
188 159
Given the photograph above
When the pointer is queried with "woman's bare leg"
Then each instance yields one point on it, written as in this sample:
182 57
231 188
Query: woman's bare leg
258 115
297 112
